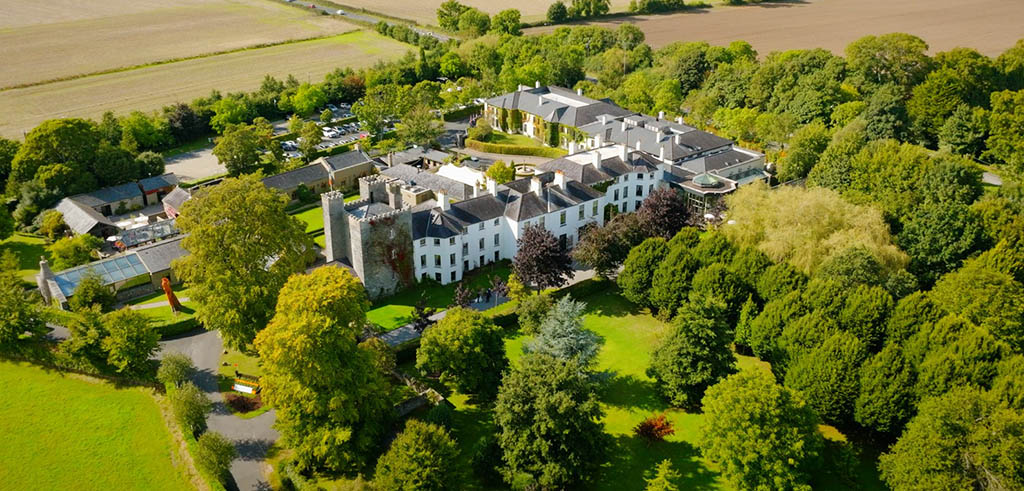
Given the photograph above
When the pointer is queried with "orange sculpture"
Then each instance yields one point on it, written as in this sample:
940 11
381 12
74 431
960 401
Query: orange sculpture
172 299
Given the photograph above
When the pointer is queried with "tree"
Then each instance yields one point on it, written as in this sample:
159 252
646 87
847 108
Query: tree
423 456
326 116
670 284
803 151
695 355
549 422
1006 130
654 428
531 311
507 22
175 368
72 142
20 312
311 135
240 149
540 260
663 213
764 436
557 12
886 399
6 223
214 454
69 252
190 406
638 271
886 114
895 58
149 164
937 236
331 400
306 99
1008 386
501 172
562 336
236 287
965 130
419 126
665 478
864 313
92 292
466 348
828 376
381 102
184 123
8 149
131 341
230 111
960 440
474 23
448 15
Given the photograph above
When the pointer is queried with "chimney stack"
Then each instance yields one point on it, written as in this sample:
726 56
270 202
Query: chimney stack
624 153
560 179
661 115
596 160
603 118
492 187
536 84
442 200
43 278
536 186
623 125
661 153
597 141
572 147
679 139
679 119
579 91
638 144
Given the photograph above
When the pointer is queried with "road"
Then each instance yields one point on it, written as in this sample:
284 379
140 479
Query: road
366 18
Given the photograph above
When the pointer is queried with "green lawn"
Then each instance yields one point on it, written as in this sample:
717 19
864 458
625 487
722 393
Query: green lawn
501 138
394 311
248 364
28 248
313 218
61 432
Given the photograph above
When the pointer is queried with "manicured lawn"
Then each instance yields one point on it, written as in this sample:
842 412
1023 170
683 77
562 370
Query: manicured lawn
313 217
510 139
61 432
394 311
28 248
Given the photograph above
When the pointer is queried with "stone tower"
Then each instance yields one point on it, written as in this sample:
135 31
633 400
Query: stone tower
43 278
336 246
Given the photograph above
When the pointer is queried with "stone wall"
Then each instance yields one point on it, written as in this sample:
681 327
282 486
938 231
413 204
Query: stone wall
381 251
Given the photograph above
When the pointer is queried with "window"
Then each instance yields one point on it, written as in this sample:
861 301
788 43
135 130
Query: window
453 275
625 177
639 191
625 192
496 221
616 195
465 265
451 241
437 261
637 205
437 242
593 211
495 256
650 189
481 243
465 249
437 277
651 175
423 242
481 259
451 259
496 239
542 222
482 225
423 261
640 176
561 218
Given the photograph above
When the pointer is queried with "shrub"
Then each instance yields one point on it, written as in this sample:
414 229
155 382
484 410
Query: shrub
532 310
214 454
551 153
654 428
440 415
190 406
421 457
243 404
175 369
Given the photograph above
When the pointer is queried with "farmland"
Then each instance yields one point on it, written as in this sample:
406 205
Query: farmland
64 38
152 87
425 11
990 26
63 432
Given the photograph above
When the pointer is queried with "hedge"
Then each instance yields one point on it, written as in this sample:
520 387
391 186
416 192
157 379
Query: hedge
192 444
551 153
177 327
461 113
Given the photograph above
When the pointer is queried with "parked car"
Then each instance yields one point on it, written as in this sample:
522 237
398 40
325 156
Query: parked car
332 107
340 12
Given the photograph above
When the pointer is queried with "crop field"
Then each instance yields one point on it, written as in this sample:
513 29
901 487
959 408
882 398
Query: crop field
152 87
425 11
989 26
64 432
42 41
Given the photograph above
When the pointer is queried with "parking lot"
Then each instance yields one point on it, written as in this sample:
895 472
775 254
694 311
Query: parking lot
333 134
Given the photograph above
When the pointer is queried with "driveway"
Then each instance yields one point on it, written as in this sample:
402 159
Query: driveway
252 437
191 166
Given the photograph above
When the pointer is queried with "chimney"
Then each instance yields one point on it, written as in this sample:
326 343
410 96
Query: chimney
442 200
638 144
560 179
603 118
572 147
43 278
661 115
536 84
536 186
597 141
623 125
661 152
579 91
492 187
679 138
624 153
679 119
596 160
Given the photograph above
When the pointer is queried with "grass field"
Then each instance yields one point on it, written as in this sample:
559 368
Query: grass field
64 38
627 336
62 432
990 26
150 88
500 138
29 249
313 218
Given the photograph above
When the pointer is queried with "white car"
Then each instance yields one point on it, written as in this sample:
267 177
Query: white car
340 12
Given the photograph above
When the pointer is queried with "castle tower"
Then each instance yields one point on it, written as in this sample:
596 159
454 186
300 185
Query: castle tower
336 245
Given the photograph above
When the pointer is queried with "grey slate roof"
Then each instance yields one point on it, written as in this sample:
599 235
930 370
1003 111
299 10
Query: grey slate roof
414 155
110 195
157 257
344 160
80 218
176 198
679 142
370 210
611 168
533 101
291 179
419 177
158 182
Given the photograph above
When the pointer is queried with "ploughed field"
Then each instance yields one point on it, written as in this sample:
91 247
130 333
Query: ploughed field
152 87
989 26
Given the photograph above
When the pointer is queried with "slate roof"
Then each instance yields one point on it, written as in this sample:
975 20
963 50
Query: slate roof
109 195
177 198
79 217
582 111
419 177
157 257
291 179
611 167
679 141
158 182
344 160
413 155
370 210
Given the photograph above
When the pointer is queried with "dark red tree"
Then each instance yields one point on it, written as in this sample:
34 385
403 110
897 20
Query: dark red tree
605 248
540 260
654 428
663 213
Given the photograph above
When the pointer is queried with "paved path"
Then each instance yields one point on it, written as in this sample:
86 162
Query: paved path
990 178
156 305
198 164
252 437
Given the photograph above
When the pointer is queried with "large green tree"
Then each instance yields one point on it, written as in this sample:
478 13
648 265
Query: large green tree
549 423
886 400
423 456
466 348
72 142
242 248
20 311
763 435
895 58
330 399
1006 130
241 148
131 340
828 376
420 126
562 336
803 151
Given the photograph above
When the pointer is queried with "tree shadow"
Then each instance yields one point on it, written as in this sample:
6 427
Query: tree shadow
631 392
252 448
633 459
